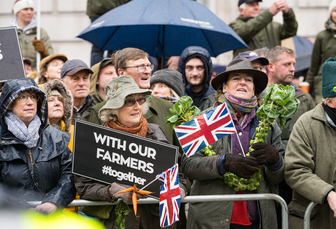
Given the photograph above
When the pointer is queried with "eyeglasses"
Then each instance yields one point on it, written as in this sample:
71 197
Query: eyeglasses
24 98
143 67
131 102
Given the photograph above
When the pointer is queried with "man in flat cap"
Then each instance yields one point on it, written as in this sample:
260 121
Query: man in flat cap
258 29
76 76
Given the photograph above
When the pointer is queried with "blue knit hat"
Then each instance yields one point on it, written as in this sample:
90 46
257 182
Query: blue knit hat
329 78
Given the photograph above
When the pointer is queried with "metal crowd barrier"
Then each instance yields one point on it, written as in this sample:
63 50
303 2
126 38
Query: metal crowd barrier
193 199
306 220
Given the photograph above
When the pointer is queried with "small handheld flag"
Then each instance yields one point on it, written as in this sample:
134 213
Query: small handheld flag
170 198
204 130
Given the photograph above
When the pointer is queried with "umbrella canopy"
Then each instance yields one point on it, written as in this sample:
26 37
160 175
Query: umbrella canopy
162 28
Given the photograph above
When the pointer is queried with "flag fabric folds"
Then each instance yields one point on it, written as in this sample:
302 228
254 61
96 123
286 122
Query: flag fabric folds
204 130
170 198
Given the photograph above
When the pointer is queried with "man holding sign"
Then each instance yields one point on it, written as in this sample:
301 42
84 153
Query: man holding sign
124 111
238 88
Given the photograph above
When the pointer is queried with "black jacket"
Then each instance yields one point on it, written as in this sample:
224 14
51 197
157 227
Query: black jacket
47 176
203 54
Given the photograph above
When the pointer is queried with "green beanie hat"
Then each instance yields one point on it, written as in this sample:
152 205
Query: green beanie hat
329 78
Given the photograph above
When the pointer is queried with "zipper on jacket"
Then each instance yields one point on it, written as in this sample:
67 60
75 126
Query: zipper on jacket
31 159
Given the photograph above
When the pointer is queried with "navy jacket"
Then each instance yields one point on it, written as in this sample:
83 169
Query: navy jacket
46 176
203 54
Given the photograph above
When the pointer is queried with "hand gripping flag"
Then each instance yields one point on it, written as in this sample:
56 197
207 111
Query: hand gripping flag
204 130
170 198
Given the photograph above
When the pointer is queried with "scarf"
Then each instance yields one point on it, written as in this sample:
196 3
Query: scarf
331 112
236 105
29 135
330 24
139 129
60 125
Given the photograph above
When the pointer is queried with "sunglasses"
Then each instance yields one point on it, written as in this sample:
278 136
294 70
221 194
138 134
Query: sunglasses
131 102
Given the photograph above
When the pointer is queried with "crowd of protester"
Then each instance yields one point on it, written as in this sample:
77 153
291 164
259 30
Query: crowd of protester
123 92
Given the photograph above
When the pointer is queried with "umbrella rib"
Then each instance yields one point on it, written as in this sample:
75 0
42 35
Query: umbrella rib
208 43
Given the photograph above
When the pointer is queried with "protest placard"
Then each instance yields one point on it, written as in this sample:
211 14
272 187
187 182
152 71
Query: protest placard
11 63
109 155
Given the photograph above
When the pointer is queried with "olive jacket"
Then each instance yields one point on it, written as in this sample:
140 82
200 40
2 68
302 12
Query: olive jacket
324 47
26 37
262 31
310 168
96 8
85 111
207 181
147 216
41 173
306 104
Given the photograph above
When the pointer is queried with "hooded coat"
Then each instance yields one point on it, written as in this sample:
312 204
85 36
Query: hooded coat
324 47
67 104
42 173
203 54
97 97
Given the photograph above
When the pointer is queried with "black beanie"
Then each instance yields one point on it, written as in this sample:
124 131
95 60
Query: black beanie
171 78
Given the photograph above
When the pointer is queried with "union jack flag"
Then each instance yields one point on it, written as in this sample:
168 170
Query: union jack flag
204 130
170 198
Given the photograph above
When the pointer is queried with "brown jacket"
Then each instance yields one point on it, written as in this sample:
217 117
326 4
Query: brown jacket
147 216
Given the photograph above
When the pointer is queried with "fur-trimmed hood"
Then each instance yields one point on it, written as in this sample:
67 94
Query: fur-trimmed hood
68 100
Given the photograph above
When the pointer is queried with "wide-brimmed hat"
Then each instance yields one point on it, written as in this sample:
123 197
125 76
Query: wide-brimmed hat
242 65
118 89
49 58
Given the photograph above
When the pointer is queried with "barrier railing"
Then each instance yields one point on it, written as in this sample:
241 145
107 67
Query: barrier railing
193 199
306 220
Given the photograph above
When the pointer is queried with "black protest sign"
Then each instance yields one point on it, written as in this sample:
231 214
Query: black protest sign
108 156
11 63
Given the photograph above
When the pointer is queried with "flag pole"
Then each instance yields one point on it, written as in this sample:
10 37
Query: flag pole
149 183
241 146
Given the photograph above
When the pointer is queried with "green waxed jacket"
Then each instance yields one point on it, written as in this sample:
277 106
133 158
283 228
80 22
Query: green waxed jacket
96 8
310 168
207 181
324 47
26 44
262 31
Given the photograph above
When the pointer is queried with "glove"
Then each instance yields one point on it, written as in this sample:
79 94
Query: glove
40 47
126 197
182 194
243 167
265 154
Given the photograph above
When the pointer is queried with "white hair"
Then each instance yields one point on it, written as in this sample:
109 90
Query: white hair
242 6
